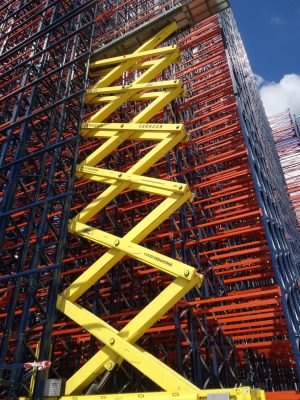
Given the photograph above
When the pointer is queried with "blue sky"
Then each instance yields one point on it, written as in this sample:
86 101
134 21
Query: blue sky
270 30
271 33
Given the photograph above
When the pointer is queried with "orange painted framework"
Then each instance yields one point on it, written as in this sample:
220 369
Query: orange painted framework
237 319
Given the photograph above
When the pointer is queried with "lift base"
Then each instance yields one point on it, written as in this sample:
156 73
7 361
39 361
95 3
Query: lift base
241 393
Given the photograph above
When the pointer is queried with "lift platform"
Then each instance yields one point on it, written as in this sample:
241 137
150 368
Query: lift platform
184 13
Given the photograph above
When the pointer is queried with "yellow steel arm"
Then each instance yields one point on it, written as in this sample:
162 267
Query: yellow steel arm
147 256
120 345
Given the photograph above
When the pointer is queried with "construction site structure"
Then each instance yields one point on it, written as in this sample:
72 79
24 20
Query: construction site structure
177 175
286 133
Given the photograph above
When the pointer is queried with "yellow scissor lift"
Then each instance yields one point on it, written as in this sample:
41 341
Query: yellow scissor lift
121 345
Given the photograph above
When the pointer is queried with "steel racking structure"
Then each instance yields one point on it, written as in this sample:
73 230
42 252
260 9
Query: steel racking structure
243 323
44 50
297 124
286 134
278 220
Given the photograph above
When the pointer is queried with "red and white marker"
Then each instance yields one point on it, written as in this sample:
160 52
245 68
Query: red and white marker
40 365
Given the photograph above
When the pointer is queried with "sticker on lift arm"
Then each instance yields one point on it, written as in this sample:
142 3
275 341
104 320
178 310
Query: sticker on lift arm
218 396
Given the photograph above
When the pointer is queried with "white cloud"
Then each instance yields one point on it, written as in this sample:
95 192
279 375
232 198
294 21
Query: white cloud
278 21
278 97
